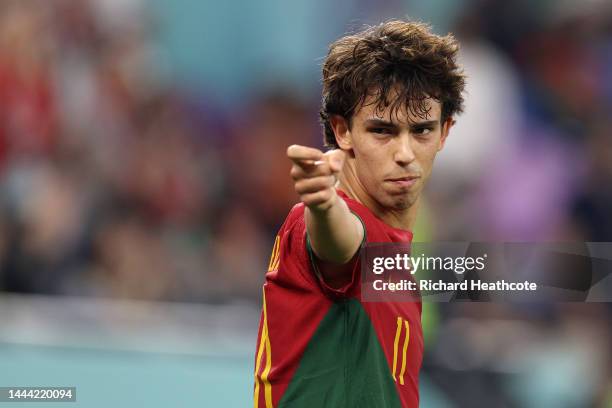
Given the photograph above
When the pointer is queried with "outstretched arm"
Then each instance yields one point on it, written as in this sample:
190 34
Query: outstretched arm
335 233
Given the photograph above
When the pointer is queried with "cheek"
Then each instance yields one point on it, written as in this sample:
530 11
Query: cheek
426 161
426 152
371 167
366 165
375 159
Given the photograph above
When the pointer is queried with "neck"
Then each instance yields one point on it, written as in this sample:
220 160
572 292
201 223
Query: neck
402 219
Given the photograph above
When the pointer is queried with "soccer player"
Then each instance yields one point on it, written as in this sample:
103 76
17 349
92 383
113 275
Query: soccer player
390 94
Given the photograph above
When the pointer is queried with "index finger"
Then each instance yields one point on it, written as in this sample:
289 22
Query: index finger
299 153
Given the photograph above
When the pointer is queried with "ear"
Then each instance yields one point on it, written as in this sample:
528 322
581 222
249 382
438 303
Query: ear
446 126
342 132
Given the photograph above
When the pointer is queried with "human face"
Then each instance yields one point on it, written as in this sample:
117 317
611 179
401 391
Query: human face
394 152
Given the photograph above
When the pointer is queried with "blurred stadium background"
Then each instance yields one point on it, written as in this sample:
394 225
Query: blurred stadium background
143 178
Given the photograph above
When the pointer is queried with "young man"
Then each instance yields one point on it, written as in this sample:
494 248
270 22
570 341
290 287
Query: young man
389 97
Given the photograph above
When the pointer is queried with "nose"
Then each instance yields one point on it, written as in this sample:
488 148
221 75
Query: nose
404 154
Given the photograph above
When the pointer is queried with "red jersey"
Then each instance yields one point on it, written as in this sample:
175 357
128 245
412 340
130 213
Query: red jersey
323 347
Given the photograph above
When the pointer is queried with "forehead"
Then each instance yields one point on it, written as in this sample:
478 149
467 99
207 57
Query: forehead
398 113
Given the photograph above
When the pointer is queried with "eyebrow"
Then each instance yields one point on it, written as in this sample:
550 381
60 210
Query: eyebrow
385 123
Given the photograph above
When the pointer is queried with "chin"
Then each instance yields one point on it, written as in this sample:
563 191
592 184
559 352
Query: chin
401 202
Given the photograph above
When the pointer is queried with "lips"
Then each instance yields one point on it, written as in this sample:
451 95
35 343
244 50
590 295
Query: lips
406 181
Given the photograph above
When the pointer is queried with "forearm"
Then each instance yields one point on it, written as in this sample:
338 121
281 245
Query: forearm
335 233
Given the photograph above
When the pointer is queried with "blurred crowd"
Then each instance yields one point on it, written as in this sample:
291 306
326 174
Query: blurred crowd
112 183
115 181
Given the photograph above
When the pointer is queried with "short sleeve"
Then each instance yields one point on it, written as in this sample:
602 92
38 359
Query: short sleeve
353 266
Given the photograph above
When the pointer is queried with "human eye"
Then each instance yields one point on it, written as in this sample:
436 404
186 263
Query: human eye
380 130
423 131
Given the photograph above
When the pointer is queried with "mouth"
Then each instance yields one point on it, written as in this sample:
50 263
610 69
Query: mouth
404 182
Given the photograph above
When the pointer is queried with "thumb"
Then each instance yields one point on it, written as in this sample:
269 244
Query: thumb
335 159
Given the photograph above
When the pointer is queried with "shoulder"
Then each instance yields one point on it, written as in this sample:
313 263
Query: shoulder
295 214
292 234
376 230
290 262
365 215
294 223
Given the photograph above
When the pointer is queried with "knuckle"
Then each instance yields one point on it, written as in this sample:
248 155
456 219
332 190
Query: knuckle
307 186
323 183
325 195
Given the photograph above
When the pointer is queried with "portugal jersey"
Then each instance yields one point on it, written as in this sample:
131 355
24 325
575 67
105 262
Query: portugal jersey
320 346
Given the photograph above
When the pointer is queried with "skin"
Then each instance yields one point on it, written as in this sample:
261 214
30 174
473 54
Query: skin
381 147
383 161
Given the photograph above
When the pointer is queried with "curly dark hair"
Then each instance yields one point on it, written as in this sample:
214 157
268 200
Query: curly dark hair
398 63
